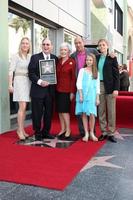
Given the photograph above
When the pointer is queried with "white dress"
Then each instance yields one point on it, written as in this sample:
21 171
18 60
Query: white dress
21 83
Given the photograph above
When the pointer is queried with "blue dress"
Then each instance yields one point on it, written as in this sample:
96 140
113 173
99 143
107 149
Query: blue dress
89 90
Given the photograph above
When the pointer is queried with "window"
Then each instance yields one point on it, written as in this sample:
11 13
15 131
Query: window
34 28
41 32
70 39
119 57
18 27
118 19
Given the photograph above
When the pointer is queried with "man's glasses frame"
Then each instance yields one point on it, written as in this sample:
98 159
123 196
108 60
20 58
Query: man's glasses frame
45 44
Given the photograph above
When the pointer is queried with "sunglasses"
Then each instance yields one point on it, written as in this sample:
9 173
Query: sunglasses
45 44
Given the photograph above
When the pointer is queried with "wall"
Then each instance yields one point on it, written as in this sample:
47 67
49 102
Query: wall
61 12
4 96
102 23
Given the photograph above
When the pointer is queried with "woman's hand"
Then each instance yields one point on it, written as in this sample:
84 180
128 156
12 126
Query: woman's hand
71 96
10 89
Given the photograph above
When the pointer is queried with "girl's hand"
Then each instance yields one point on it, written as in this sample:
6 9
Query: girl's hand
81 98
97 100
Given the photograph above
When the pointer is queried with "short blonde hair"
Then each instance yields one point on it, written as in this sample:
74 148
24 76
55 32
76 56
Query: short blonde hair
103 40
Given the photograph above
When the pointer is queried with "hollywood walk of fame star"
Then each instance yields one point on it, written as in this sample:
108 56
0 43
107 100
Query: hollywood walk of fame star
122 135
47 69
100 161
53 142
49 143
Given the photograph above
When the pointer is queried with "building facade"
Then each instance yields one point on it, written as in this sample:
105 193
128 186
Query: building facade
109 18
60 21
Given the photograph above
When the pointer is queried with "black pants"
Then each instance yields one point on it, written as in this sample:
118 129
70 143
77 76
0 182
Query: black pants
42 108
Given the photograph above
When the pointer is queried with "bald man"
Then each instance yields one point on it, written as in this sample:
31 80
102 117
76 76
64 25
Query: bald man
41 93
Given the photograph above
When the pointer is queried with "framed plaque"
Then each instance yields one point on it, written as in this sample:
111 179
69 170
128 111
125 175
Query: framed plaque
48 71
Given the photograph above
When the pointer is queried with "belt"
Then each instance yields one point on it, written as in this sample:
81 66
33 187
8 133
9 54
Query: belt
101 80
21 74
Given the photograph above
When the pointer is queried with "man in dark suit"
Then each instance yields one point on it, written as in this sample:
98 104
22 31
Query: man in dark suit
42 93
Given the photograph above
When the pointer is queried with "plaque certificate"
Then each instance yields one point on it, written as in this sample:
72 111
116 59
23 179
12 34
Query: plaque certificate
47 70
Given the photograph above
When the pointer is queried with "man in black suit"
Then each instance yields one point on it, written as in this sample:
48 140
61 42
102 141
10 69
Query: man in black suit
42 93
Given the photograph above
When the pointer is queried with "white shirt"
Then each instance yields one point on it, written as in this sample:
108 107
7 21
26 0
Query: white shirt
79 81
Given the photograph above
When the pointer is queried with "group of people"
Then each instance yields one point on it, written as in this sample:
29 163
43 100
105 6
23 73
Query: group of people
91 76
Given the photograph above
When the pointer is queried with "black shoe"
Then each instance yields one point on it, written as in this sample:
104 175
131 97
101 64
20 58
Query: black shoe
102 137
82 134
111 138
61 135
38 137
47 136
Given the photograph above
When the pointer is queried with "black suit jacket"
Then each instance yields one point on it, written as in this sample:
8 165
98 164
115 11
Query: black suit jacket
110 74
33 69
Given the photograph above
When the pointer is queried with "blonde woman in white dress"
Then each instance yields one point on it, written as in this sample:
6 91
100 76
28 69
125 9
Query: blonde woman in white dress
19 83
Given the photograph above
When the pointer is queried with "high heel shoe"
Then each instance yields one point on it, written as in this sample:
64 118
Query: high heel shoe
20 135
67 134
61 135
26 135
86 137
93 137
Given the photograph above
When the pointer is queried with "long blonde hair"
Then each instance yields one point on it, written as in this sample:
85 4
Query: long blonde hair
20 50
94 66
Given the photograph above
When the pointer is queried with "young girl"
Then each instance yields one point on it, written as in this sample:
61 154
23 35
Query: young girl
87 97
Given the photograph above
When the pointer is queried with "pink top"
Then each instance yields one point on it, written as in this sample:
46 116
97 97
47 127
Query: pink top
81 56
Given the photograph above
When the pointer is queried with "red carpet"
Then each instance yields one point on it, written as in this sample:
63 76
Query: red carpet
46 167
53 167
124 111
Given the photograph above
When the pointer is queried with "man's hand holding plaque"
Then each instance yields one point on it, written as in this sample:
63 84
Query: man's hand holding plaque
44 83
47 72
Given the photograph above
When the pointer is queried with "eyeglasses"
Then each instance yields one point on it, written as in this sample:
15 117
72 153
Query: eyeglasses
45 44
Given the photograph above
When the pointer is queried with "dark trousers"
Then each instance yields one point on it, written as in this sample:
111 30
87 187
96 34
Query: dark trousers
80 125
42 108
